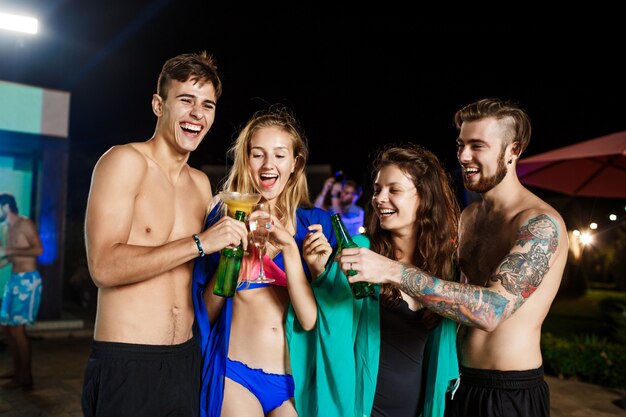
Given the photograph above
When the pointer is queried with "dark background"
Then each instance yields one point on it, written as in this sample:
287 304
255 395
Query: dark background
355 80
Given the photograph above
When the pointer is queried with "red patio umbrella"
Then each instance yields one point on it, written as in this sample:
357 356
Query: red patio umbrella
592 168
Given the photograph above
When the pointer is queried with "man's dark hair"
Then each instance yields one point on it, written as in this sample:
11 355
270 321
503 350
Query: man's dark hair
198 67
10 200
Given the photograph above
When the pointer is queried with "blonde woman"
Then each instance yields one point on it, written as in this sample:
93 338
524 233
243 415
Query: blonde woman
246 369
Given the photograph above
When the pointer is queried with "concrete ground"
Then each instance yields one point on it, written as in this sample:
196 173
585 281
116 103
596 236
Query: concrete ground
59 358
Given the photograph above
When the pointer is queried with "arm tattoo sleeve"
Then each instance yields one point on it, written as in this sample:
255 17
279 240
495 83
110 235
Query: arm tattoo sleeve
521 272
467 304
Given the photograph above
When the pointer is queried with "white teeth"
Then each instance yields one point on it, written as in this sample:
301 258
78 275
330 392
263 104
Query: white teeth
189 126
268 176
387 211
470 170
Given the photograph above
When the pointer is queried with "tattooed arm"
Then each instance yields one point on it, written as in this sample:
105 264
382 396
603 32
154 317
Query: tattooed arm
518 275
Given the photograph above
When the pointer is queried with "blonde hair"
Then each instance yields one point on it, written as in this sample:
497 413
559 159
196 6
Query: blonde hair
296 191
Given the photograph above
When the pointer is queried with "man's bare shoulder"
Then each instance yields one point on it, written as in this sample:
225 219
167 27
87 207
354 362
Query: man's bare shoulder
128 150
540 222
118 175
25 222
24 226
129 156
535 209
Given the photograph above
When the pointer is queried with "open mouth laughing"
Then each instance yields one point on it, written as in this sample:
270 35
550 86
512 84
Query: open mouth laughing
191 129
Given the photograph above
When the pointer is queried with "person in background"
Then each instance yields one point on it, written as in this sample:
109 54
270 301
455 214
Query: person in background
22 293
332 185
145 210
344 195
246 368
512 252
367 357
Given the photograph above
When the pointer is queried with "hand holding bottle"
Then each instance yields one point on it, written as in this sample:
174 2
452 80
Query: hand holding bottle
360 289
368 266
226 232
229 264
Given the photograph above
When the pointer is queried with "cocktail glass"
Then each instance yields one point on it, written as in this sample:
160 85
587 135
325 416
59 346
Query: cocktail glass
239 201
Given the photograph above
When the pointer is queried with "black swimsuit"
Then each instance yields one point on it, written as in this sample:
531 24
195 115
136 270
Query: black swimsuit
123 379
486 392
402 341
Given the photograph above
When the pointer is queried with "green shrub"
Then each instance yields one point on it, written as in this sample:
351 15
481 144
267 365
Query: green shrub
614 312
588 358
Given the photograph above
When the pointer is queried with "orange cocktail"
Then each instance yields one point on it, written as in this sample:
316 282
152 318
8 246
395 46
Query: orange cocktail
239 201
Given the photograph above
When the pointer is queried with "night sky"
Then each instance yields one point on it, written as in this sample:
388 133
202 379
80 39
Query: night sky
355 82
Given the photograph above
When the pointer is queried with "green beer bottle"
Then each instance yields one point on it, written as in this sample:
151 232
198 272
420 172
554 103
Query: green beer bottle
228 268
359 289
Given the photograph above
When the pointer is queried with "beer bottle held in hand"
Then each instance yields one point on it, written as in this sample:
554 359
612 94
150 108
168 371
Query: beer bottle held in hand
228 268
359 289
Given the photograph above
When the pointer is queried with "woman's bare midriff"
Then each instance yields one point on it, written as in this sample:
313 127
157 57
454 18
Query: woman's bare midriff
257 335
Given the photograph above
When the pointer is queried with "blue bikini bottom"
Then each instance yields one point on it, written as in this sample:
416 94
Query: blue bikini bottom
270 389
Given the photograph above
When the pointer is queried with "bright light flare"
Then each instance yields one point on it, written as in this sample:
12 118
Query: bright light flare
18 23
586 238
361 229
612 217
593 226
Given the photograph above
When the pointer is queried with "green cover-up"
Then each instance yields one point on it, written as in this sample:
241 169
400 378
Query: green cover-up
335 365
442 367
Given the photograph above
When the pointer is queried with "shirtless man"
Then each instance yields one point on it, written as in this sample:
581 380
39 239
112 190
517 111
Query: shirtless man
22 293
512 251
145 211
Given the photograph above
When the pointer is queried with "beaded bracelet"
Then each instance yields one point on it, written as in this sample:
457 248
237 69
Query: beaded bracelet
199 245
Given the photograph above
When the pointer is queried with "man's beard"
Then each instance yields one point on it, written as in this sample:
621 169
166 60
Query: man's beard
486 184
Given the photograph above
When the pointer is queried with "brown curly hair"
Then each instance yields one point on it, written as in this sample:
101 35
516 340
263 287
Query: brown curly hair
436 226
